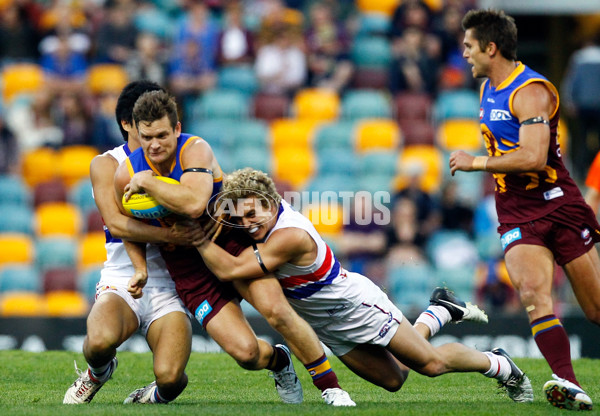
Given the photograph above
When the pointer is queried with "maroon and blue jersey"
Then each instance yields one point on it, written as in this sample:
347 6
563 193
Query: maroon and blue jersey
523 197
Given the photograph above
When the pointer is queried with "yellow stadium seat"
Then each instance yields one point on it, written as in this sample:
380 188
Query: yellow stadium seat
21 79
91 249
316 104
377 135
22 304
386 7
289 132
66 303
425 160
16 248
459 134
58 218
74 163
294 165
327 218
39 165
105 78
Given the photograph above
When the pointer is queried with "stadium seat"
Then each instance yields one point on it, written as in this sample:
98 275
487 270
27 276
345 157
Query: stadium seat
19 278
371 52
326 217
94 222
370 78
23 304
74 163
92 251
291 132
270 107
13 190
57 218
57 251
87 282
448 249
221 103
381 162
22 78
254 157
461 103
239 78
316 104
154 20
59 278
417 132
217 132
293 165
373 24
107 78
337 162
413 106
374 182
52 191
461 280
459 134
81 195
332 183
16 248
410 285
250 133
39 165
336 135
357 104
377 135
16 218
428 160
66 303
385 7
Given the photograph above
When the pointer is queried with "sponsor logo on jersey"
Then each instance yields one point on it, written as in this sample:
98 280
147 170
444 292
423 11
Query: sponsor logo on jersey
500 115
553 193
585 233
384 330
510 236
481 113
203 310
491 100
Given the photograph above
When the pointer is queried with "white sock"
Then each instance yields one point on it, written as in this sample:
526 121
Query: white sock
499 367
435 317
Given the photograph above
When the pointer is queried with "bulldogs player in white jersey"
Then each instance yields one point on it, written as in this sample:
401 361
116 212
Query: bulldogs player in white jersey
120 309
349 313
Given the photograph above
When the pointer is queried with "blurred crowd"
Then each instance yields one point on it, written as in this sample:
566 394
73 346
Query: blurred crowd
433 238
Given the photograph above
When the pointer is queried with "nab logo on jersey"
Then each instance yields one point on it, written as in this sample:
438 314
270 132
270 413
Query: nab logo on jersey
500 115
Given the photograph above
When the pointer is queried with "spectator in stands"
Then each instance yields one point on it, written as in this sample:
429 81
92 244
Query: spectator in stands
105 132
276 16
281 63
409 13
412 68
35 125
581 99
147 60
363 241
329 64
18 37
65 69
74 119
189 73
236 42
455 214
9 149
116 38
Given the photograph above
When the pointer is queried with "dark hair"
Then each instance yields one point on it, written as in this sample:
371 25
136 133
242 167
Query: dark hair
493 26
127 99
154 105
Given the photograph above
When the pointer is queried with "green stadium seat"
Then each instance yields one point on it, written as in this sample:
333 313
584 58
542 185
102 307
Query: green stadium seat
337 162
19 278
16 218
371 51
81 195
254 157
411 285
454 104
336 135
357 104
221 103
55 251
238 78
384 163
87 282
14 190
249 133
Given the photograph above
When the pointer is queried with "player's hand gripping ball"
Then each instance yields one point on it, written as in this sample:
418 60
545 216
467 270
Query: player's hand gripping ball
145 206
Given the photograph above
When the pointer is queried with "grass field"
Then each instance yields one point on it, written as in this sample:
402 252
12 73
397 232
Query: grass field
35 383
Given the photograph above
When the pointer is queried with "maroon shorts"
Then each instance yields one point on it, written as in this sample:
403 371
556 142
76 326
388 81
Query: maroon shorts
568 232
202 293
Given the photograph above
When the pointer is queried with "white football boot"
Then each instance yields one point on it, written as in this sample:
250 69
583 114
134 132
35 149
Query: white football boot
86 386
142 395
337 397
517 385
459 310
566 395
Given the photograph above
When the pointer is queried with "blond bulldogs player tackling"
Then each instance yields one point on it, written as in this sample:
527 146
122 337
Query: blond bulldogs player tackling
120 310
349 313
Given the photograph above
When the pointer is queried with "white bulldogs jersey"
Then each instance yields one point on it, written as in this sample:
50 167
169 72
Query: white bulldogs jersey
118 267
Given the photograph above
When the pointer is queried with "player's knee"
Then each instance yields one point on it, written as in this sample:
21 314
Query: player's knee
279 316
169 376
100 342
393 384
246 355
433 368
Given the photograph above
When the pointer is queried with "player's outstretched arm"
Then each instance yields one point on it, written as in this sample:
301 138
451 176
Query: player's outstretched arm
283 246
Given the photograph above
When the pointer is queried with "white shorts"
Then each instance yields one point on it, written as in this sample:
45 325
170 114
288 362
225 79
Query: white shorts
154 304
349 312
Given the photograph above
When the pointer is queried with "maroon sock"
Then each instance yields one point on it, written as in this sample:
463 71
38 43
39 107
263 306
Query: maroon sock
552 340
322 374
279 360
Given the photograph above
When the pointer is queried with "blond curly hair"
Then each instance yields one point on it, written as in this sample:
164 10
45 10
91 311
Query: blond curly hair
247 183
